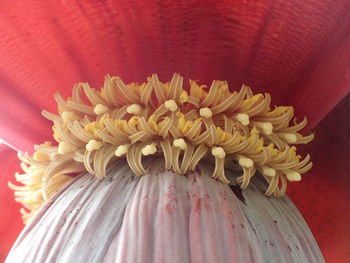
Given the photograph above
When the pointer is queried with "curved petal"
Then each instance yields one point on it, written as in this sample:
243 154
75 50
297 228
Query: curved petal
296 50
323 195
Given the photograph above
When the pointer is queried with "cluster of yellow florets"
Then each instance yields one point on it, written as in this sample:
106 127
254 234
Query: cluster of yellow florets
239 126
184 126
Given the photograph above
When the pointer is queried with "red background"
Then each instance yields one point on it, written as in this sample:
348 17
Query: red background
297 50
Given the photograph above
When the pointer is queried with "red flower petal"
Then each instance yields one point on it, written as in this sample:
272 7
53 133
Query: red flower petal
10 222
323 195
296 50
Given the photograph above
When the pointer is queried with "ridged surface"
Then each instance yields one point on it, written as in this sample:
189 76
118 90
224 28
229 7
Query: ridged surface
164 217
280 228
81 222
297 50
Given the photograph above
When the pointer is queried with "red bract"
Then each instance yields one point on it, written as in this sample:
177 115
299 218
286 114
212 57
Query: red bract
296 50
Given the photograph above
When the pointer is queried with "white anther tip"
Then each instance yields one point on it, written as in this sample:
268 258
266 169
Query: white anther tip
68 116
149 149
205 113
180 143
170 105
121 150
100 109
243 118
65 147
268 171
134 109
246 162
266 127
218 152
293 176
93 145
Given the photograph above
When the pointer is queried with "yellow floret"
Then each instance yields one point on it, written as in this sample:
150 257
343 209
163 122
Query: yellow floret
153 124
250 102
91 127
122 125
56 135
197 91
223 136
278 111
184 96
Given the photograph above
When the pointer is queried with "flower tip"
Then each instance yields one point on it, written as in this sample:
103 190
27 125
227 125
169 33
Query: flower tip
218 152
266 127
68 116
36 176
20 154
149 149
134 109
93 145
40 156
293 176
100 109
243 118
38 196
268 171
180 143
184 97
65 147
170 105
121 150
289 137
245 162
205 113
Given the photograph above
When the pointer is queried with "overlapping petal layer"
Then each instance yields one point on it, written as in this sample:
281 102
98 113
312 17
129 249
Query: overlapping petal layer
164 217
